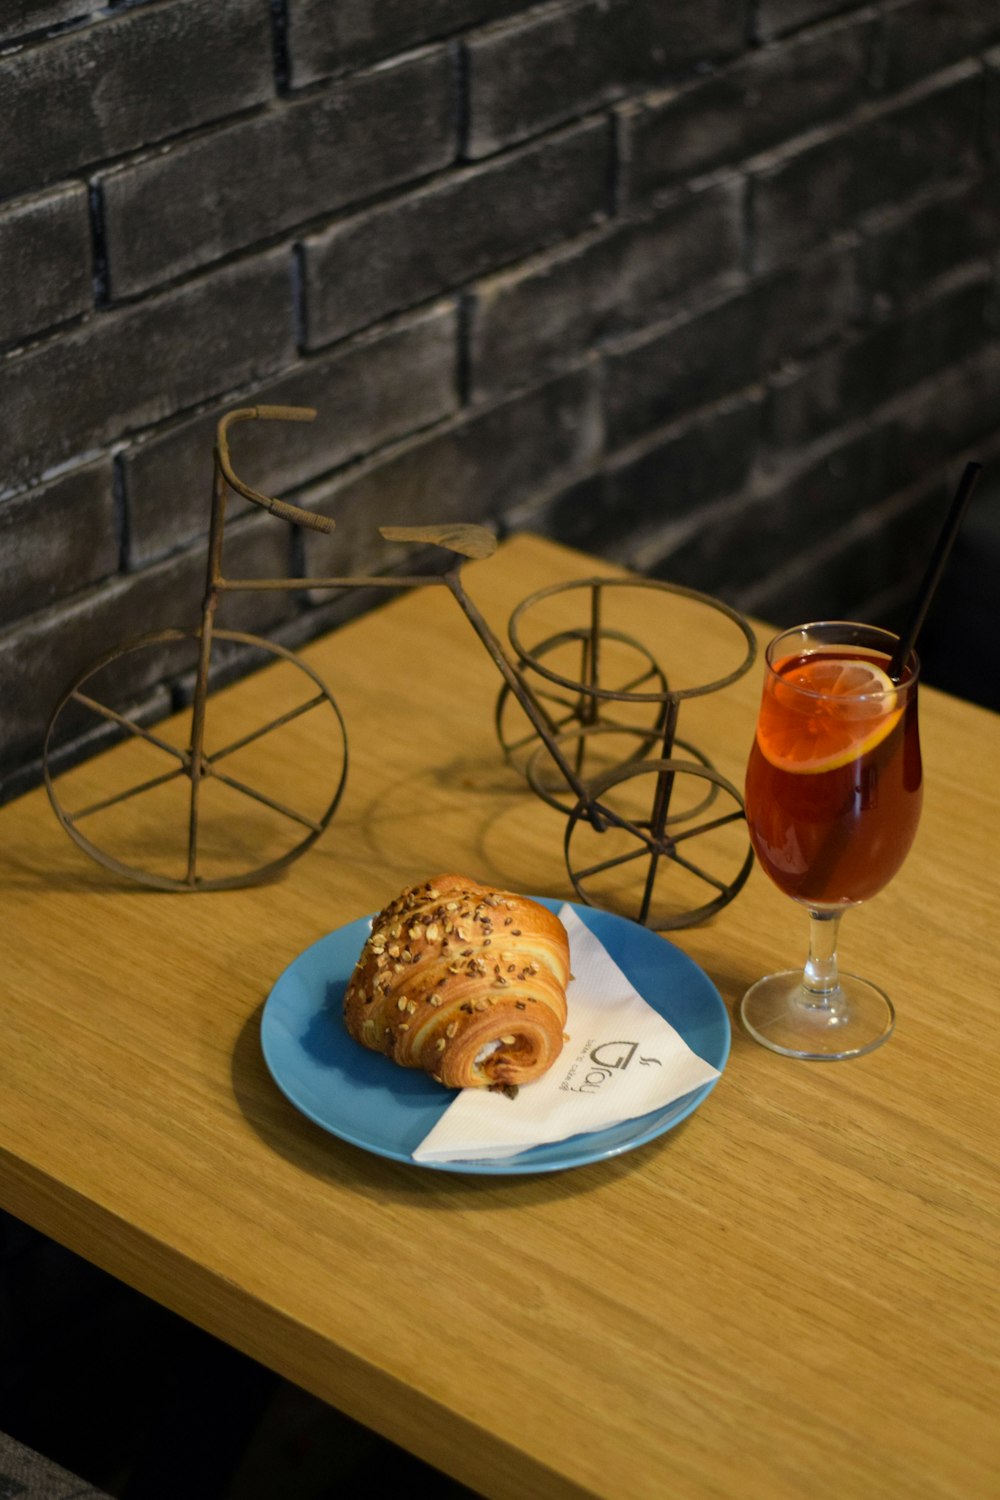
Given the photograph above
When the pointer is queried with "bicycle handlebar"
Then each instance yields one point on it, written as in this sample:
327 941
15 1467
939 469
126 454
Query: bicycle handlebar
282 508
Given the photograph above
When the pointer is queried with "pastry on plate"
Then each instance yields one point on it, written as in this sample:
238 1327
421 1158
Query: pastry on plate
465 981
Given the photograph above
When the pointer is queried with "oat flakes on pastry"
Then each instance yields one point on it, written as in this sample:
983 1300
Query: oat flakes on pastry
465 981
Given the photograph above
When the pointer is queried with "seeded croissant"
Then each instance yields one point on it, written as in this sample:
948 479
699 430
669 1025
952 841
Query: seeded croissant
464 981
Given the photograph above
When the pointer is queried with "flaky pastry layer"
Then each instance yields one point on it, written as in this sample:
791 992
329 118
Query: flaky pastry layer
465 981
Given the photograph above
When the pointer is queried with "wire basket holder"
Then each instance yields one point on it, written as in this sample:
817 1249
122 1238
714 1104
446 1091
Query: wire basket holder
580 713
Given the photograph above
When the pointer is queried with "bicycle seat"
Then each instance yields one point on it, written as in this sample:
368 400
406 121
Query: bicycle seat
467 541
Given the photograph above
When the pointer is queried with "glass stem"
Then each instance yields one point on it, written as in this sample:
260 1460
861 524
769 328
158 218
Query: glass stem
820 977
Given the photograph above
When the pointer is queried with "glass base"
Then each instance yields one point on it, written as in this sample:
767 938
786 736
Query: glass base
780 1013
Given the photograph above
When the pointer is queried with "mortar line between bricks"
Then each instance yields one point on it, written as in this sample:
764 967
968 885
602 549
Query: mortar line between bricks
452 175
279 42
865 113
119 496
98 245
136 155
865 523
300 305
748 226
463 100
615 176
465 304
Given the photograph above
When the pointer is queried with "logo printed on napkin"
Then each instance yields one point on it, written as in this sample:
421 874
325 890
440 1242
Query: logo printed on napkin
623 1060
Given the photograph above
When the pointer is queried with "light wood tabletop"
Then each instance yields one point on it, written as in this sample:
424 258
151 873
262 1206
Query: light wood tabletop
791 1294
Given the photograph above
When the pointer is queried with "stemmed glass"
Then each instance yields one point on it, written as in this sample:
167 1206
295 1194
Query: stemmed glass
833 795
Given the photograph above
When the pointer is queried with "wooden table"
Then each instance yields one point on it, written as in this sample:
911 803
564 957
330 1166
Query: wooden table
792 1294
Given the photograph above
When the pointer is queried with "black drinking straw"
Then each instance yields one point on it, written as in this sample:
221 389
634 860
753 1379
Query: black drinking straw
935 567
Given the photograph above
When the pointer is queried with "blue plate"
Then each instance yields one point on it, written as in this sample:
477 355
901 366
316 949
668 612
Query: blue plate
364 1098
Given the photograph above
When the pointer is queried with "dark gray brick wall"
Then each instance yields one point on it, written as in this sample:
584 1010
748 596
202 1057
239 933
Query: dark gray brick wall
144 362
57 539
695 358
905 249
710 288
327 37
991 111
528 321
21 18
500 457
850 381
923 36
446 234
92 93
776 17
563 59
891 154
763 98
227 189
368 394
46 261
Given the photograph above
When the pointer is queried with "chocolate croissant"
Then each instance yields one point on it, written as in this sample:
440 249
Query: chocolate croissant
464 981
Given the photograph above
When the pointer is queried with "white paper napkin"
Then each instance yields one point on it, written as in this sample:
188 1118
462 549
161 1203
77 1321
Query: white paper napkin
622 1060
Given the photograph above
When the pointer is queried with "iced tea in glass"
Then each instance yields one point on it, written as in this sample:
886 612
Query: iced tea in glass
833 794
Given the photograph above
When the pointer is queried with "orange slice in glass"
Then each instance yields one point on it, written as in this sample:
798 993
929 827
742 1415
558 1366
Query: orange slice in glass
825 712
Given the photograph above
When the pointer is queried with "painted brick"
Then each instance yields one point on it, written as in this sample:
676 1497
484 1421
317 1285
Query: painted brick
654 376
907 249
474 221
851 382
645 490
530 322
99 90
39 658
850 570
890 156
56 539
775 17
485 466
366 395
710 457
869 302
45 255
545 67
325 38
207 197
746 543
125 369
23 17
763 99
923 36
946 416
991 107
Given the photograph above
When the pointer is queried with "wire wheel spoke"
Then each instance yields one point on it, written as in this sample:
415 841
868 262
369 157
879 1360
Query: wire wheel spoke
248 791
699 872
138 730
652 874
268 728
640 852
691 833
132 791
638 828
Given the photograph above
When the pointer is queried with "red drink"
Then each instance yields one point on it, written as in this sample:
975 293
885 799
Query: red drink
833 785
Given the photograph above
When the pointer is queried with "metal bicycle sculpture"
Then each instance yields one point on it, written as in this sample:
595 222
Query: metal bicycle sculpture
565 718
